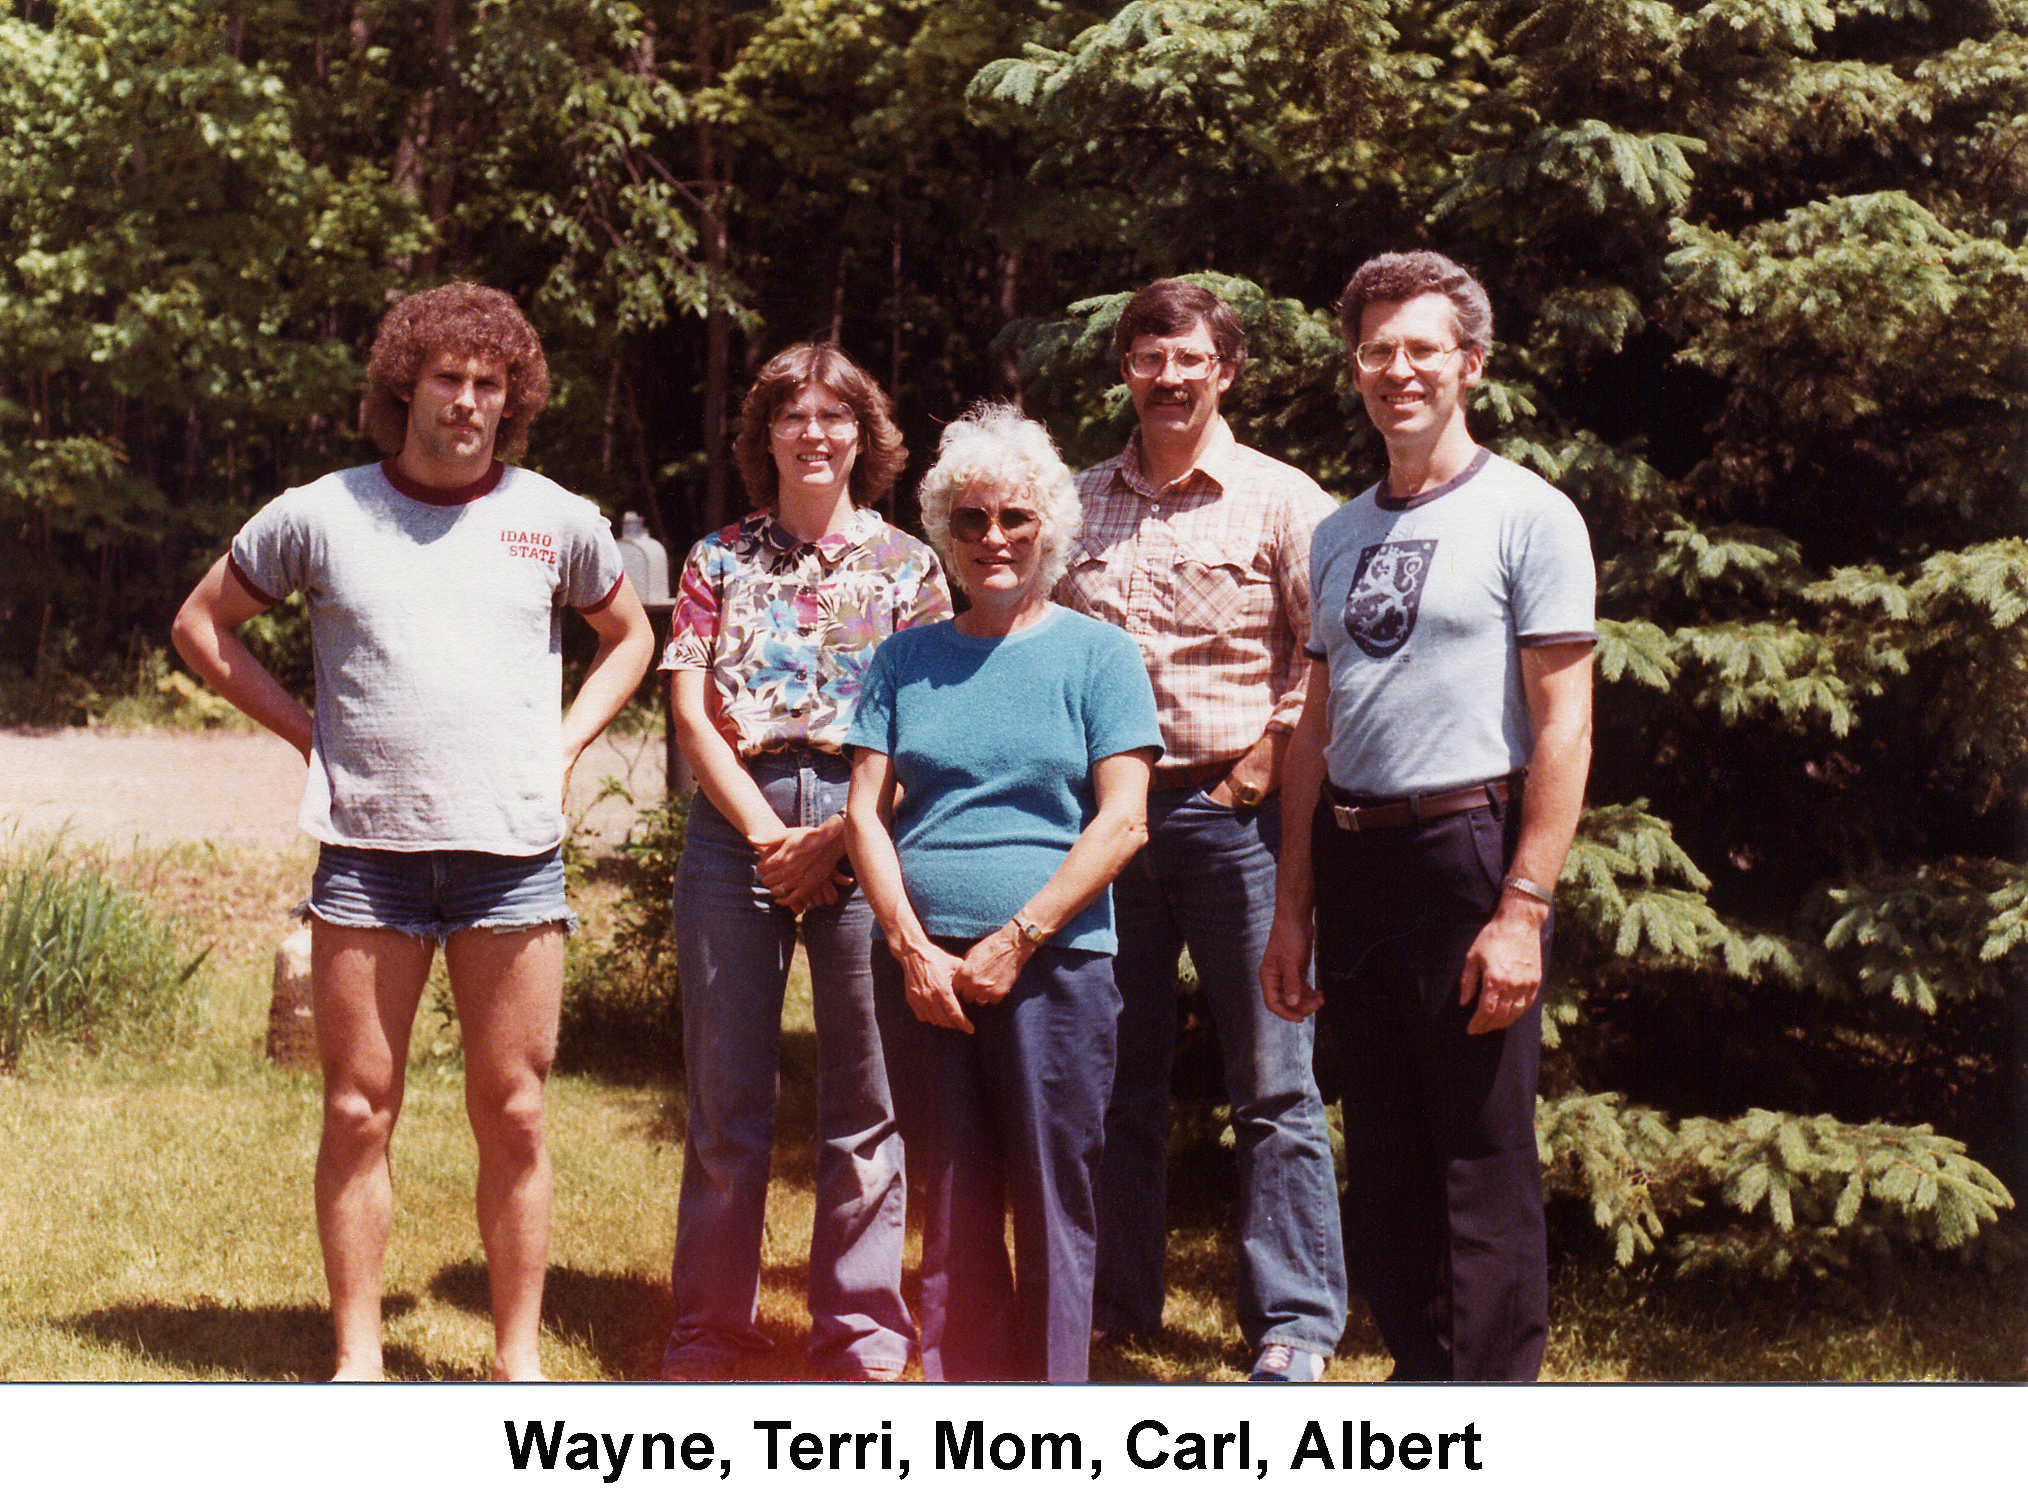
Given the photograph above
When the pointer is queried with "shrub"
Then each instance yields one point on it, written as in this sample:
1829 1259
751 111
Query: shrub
622 1001
83 957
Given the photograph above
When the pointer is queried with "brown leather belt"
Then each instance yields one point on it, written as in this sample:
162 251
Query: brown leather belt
1414 810
1190 778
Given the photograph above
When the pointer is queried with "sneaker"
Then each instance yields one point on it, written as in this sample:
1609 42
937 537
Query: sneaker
1285 1363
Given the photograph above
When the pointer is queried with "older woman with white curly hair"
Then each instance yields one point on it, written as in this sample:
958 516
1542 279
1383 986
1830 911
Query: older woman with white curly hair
1019 736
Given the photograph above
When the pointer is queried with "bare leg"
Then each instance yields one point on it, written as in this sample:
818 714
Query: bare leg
365 986
509 986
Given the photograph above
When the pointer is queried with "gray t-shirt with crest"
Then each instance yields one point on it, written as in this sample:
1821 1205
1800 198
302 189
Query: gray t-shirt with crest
1421 610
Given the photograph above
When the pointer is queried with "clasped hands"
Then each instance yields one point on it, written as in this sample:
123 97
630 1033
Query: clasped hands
938 983
799 865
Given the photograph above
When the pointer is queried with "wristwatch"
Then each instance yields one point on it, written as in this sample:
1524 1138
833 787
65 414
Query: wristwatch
1247 795
1028 929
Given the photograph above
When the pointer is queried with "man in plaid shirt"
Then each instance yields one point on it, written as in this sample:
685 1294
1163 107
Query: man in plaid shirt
1199 548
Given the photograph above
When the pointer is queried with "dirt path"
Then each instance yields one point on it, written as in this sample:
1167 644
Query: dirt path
233 788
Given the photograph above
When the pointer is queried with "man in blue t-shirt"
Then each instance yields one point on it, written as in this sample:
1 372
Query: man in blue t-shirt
1431 790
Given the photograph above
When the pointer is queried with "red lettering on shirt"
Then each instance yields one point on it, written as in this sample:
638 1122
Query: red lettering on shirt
532 545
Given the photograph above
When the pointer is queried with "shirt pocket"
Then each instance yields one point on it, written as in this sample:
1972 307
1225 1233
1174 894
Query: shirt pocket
1086 585
1221 585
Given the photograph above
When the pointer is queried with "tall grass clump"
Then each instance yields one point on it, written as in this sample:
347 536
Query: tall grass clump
83 957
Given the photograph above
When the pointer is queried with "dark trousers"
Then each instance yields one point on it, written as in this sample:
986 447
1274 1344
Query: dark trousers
1443 1216
1009 1117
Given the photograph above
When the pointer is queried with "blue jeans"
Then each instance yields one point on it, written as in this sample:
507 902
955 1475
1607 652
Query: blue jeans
1206 879
1008 1118
733 945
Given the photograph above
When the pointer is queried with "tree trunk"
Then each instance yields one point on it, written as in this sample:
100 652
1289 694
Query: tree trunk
1007 366
717 323
444 169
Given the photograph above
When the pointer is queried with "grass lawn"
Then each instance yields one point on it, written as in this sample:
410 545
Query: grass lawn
156 1223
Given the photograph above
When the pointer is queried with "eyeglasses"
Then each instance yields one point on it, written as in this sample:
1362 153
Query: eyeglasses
1424 356
970 524
837 420
1191 363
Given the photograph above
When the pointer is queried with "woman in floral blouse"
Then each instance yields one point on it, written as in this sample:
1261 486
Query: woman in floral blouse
776 618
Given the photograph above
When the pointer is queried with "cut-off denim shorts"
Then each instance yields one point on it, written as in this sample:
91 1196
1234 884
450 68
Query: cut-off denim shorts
436 894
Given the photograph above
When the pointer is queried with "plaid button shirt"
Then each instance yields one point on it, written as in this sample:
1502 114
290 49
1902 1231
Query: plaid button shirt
1212 578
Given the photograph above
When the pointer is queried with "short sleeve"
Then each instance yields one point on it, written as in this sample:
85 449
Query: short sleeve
270 552
1555 582
693 621
1119 699
873 718
1323 544
592 567
921 595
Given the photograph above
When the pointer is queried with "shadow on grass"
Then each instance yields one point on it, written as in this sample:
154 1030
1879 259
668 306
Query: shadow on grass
259 1343
620 1320
1942 1321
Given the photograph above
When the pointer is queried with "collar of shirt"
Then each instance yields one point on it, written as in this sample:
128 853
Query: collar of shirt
1216 466
833 548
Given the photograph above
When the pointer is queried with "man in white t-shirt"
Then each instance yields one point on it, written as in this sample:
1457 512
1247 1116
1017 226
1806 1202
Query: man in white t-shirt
1431 789
438 762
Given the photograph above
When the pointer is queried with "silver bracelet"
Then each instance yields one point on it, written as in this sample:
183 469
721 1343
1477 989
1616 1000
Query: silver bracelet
1528 886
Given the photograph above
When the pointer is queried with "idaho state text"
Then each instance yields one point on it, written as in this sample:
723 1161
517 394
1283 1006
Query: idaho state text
1150 1445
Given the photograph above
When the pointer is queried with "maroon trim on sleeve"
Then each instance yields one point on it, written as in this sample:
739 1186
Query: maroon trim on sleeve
423 493
1574 636
611 593
239 575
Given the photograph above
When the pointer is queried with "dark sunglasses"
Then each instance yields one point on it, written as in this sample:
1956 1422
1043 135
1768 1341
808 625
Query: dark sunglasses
970 524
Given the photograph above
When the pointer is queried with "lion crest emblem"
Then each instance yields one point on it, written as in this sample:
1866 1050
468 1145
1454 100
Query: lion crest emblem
1386 595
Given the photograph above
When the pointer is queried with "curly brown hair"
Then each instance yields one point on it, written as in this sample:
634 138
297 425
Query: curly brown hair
464 319
881 453
1403 277
1169 309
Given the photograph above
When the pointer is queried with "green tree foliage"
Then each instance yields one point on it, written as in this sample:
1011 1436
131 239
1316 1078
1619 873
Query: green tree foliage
176 268
214 199
212 202
1759 278
1758 274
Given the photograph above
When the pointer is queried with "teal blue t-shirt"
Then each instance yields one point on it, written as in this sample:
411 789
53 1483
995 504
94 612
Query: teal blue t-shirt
993 742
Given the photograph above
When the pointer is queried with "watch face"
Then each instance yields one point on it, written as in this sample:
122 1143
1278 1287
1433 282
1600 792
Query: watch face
1247 794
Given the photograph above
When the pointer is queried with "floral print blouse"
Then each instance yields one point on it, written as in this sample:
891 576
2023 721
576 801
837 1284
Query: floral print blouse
785 628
